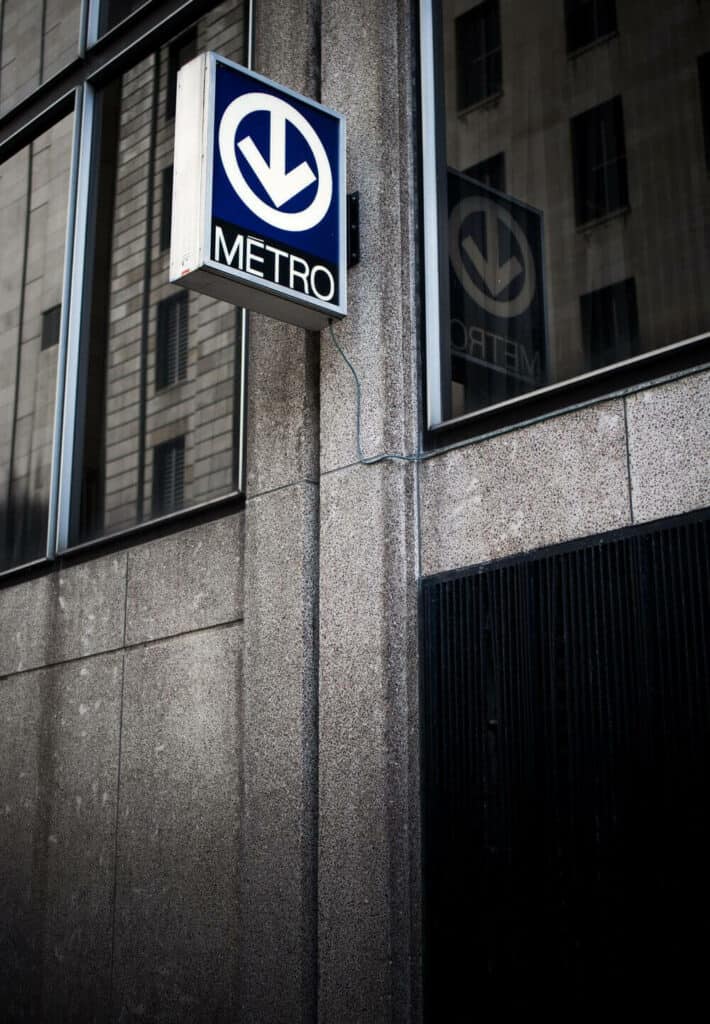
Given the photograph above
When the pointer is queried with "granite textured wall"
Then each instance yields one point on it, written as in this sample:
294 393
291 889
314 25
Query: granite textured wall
120 781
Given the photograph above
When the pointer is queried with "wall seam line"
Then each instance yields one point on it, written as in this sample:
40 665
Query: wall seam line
628 462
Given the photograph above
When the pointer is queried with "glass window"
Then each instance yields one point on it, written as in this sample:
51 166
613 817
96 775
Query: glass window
599 155
565 224
34 188
115 11
588 21
478 54
37 41
704 82
158 365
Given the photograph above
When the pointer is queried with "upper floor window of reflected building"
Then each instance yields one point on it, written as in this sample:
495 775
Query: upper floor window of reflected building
490 172
478 54
599 156
536 290
704 82
588 21
610 323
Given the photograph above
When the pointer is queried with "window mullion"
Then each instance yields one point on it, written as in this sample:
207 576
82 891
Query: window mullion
74 283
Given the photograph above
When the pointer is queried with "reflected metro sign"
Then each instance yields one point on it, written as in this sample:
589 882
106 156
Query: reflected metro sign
258 215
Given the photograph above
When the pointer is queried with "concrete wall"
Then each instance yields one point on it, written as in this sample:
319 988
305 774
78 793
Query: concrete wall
120 783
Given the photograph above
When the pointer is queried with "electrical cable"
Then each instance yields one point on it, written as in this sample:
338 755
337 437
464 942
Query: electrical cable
371 460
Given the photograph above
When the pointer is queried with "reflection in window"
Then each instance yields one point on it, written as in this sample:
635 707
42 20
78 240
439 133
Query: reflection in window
704 81
599 154
168 476
569 144
478 54
114 11
140 329
171 356
34 186
180 52
51 319
610 327
489 172
37 41
166 205
587 21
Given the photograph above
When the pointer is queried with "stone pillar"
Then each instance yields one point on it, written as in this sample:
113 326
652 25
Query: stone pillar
368 786
277 959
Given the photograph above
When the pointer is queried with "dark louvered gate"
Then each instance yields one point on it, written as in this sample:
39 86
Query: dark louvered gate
566 780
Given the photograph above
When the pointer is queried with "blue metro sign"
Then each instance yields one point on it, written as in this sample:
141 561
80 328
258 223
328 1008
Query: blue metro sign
271 195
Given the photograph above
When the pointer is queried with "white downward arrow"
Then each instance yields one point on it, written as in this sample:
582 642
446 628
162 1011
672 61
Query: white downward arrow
495 277
279 185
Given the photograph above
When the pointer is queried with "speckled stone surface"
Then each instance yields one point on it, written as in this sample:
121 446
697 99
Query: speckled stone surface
669 447
58 784
190 580
69 614
551 482
379 334
177 839
282 438
277 880
368 809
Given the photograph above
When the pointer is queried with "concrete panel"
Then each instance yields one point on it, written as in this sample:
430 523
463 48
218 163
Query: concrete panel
277 884
58 784
175 889
283 416
368 755
283 360
669 448
544 484
70 614
367 75
187 581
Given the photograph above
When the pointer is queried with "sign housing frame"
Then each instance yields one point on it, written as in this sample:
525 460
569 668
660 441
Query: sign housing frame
191 263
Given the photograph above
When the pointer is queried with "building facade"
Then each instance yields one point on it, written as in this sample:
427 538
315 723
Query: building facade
218 788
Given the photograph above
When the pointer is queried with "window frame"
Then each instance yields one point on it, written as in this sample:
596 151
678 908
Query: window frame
74 89
675 359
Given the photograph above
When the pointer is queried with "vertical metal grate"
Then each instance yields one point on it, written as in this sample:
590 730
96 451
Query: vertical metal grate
566 778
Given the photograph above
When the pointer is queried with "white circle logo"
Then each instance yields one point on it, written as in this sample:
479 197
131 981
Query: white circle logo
495 276
279 185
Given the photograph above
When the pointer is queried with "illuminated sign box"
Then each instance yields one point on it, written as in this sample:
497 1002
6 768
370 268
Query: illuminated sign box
258 215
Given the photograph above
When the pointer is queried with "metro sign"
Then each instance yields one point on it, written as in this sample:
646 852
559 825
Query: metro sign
258 214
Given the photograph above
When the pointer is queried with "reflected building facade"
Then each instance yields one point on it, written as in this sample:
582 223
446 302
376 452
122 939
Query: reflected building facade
593 115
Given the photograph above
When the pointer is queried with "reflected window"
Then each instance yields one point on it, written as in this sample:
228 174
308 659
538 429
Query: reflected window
171 355
478 54
704 82
599 155
180 52
115 11
166 207
559 207
489 172
34 186
588 21
51 319
610 326
168 476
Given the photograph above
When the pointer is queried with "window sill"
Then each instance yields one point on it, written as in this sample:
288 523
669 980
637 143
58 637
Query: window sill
597 222
488 101
581 50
